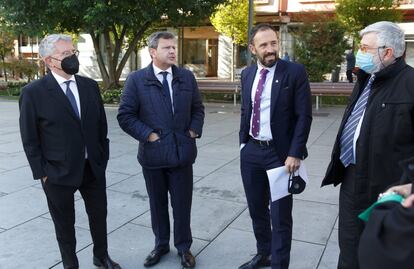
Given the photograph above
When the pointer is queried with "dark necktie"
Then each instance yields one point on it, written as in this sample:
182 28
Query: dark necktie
347 138
256 104
166 88
71 97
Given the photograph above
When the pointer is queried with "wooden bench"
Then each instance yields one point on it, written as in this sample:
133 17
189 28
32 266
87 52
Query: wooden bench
318 89
217 86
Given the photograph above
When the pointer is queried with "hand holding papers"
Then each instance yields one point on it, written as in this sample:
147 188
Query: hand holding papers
279 180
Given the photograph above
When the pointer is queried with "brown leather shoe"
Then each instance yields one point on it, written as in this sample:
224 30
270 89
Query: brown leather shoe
155 256
258 261
187 259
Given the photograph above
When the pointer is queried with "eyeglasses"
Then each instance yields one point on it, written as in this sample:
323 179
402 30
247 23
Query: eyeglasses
67 53
365 48
70 53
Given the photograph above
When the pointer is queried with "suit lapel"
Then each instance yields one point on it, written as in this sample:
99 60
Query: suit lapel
249 84
276 84
83 96
56 92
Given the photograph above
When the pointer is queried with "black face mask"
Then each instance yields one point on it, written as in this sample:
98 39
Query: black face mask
70 64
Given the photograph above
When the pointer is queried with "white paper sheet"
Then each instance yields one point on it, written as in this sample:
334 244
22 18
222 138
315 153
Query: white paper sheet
279 180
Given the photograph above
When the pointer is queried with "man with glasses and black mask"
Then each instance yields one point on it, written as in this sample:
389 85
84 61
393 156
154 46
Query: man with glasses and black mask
64 133
376 133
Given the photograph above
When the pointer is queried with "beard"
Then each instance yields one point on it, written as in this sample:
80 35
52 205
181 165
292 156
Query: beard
266 60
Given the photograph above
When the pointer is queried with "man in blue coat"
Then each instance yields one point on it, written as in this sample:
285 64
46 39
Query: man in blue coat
276 116
161 107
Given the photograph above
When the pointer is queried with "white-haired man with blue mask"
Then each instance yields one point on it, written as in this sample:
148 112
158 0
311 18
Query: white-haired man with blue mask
377 131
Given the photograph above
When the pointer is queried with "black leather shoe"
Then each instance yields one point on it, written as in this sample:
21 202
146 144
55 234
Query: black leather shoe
106 263
187 259
154 257
258 261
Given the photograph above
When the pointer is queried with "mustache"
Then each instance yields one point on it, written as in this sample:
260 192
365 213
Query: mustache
270 54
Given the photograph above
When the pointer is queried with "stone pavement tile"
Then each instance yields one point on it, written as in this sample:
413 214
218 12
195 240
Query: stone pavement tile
330 256
231 168
220 151
125 164
318 160
228 251
21 206
116 135
314 192
319 126
312 222
13 161
120 148
243 222
305 255
11 137
11 147
327 138
218 130
221 186
134 185
114 178
34 245
17 179
205 140
122 208
231 139
209 217
129 246
205 165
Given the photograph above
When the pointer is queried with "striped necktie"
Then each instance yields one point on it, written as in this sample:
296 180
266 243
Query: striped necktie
347 138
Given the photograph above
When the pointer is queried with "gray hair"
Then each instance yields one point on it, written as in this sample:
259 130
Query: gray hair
389 34
48 44
155 37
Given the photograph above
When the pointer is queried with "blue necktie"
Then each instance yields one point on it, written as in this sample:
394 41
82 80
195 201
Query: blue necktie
166 88
71 97
347 138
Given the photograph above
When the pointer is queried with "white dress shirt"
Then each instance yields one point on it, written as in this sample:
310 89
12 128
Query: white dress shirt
73 87
265 133
160 77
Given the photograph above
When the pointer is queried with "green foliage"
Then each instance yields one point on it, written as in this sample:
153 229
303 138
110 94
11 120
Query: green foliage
320 46
111 96
24 67
6 42
231 19
120 24
356 15
15 88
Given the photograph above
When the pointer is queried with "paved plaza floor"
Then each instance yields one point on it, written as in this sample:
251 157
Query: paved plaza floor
221 226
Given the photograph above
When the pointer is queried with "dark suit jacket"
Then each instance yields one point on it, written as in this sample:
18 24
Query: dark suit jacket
145 108
54 138
291 108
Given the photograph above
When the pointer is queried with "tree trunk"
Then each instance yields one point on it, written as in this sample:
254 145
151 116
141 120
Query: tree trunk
232 61
4 68
112 73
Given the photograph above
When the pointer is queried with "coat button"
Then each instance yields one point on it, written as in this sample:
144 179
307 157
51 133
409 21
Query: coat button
383 105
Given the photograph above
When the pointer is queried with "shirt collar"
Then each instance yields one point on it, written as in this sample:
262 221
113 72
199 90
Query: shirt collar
158 70
61 79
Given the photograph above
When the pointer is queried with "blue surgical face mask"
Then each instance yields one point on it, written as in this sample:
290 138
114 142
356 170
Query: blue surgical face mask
365 61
